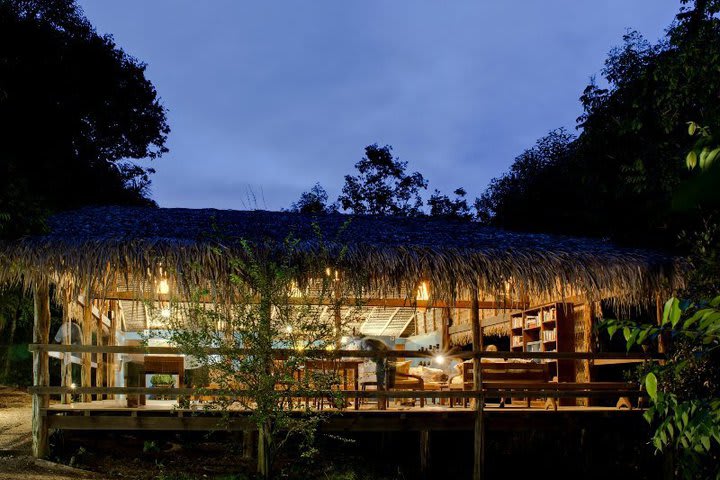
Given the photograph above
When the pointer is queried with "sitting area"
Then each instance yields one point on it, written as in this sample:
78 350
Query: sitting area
506 377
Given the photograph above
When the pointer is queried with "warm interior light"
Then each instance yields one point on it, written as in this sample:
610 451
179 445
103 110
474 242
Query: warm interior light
73 386
344 340
165 313
330 347
423 291
288 329
295 290
328 271
439 359
163 287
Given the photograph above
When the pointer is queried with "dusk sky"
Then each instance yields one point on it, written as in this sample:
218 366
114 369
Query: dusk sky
272 96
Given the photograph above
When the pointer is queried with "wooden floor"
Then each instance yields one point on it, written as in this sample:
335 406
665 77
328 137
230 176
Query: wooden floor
171 406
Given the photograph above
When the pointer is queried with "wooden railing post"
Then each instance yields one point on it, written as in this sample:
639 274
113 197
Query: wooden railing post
100 370
87 328
425 453
41 374
477 342
67 326
112 340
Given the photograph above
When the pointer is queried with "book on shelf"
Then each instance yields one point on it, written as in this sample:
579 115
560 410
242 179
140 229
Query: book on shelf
549 315
531 321
549 335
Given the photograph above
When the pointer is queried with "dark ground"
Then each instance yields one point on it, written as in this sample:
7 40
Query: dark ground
605 448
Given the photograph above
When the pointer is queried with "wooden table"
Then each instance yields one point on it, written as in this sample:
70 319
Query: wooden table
344 368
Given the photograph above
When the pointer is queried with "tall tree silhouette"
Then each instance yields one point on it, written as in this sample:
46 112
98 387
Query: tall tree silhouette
618 177
76 111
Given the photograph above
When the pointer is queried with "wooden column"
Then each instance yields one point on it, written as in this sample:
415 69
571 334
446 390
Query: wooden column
249 444
87 328
100 370
589 313
66 376
445 330
425 453
112 341
41 374
477 343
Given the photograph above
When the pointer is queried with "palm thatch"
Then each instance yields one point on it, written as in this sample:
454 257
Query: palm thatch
383 254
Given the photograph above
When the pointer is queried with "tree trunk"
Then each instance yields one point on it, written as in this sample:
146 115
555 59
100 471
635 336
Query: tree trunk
264 449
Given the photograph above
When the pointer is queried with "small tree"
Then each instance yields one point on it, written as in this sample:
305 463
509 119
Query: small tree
262 332
382 187
314 201
442 206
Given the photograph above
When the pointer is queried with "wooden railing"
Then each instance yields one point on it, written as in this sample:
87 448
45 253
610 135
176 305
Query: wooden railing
510 390
280 353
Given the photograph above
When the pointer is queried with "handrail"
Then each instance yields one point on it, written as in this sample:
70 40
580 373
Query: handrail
313 353
545 390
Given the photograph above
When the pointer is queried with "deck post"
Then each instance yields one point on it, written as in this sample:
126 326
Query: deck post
248 447
112 340
87 324
41 374
425 453
67 367
100 370
479 434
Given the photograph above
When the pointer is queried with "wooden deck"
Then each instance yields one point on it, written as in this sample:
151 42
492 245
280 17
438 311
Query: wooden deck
162 415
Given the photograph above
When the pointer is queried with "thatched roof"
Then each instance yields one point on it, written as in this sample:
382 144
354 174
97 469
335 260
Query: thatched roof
385 252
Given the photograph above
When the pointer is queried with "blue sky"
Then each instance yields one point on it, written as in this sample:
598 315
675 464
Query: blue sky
266 98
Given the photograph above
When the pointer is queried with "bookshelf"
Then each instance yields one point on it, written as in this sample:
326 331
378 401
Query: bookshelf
545 328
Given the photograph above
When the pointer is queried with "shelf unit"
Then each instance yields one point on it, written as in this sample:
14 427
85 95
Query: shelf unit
545 328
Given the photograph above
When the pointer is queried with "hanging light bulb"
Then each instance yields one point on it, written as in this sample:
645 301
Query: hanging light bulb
439 359
165 313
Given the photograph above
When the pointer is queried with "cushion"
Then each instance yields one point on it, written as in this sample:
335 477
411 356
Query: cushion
403 367
433 374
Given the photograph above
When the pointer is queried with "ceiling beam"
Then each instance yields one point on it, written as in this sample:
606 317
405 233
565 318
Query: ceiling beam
351 302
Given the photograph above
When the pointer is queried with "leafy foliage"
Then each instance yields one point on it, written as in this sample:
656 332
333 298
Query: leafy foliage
314 201
381 186
265 310
685 390
442 206
512 200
